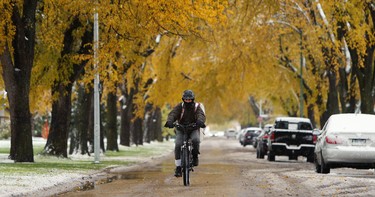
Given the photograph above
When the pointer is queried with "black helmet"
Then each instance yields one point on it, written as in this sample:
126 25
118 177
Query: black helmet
188 94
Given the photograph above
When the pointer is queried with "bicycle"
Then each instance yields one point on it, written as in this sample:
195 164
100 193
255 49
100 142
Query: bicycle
186 151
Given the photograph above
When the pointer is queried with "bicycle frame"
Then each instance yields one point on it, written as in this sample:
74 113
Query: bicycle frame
186 154
186 159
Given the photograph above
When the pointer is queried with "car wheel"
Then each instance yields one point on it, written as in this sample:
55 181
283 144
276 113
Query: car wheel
317 166
258 155
271 156
324 168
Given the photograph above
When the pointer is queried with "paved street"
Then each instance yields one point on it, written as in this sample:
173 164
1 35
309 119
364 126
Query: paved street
228 169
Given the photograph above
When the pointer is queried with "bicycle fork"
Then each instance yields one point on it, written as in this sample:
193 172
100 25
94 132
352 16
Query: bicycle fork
187 148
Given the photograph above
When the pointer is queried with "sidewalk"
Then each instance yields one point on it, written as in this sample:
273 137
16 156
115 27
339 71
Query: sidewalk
16 182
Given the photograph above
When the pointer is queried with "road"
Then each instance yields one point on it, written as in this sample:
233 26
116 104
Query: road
228 169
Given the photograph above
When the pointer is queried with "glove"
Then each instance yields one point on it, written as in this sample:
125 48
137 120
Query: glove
169 124
200 124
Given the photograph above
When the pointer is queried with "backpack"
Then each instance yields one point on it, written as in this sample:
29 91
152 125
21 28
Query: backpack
195 109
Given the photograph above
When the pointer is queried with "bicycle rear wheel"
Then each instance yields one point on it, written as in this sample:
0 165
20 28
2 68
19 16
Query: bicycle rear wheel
186 167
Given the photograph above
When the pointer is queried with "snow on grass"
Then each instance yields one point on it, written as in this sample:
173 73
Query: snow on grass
23 179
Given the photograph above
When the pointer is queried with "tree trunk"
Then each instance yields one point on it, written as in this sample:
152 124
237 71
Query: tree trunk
148 130
74 143
102 115
16 75
138 131
332 106
343 90
138 122
332 102
84 123
61 108
311 114
157 124
126 116
355 66
17 87
365 80
58 135
111 130
81 121
90 121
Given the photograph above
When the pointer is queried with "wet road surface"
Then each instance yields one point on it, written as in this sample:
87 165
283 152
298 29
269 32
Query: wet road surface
228 169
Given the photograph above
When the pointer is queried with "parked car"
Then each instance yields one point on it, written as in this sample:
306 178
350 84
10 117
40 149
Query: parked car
346 140
261 141
292 137
230 133
266 127
248 135
239 136
218 134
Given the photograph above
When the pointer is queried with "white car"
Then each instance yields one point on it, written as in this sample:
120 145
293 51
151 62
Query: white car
230 133
346 140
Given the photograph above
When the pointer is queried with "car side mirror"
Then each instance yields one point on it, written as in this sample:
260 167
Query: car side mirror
316 132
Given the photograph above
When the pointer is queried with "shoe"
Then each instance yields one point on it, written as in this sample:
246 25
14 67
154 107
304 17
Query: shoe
178 172
195 161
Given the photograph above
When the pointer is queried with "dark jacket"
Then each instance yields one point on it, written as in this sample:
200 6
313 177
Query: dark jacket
190 114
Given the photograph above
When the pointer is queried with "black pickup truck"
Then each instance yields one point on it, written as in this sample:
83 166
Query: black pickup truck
292 137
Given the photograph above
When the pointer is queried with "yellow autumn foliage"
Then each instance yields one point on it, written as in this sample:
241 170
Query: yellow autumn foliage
225 51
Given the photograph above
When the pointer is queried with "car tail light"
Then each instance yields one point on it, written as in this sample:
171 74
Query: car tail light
333 139
315 138
272 136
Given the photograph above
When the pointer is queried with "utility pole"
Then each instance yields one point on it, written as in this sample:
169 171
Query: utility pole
260 119
96 90
301 79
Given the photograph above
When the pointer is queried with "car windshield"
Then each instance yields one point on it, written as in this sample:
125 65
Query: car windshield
305 126
293 125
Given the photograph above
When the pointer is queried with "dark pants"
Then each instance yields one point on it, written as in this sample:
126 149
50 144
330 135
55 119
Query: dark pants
195 139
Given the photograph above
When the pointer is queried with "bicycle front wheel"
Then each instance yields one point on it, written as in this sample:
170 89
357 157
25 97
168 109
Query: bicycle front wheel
186 166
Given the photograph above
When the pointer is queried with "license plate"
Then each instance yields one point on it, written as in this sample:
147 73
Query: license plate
358 142
293 147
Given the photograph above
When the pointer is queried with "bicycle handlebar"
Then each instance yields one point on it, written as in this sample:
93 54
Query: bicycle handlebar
193 126
186 126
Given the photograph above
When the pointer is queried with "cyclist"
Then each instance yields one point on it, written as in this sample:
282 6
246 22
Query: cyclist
185 113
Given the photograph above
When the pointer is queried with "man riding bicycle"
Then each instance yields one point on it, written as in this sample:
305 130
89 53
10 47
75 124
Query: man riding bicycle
185 113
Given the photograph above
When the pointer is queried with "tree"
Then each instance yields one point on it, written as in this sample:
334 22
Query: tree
111 126
79 128
17 41
61 108
360 19
223 67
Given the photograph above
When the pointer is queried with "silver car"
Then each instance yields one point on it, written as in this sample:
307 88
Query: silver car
346 140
